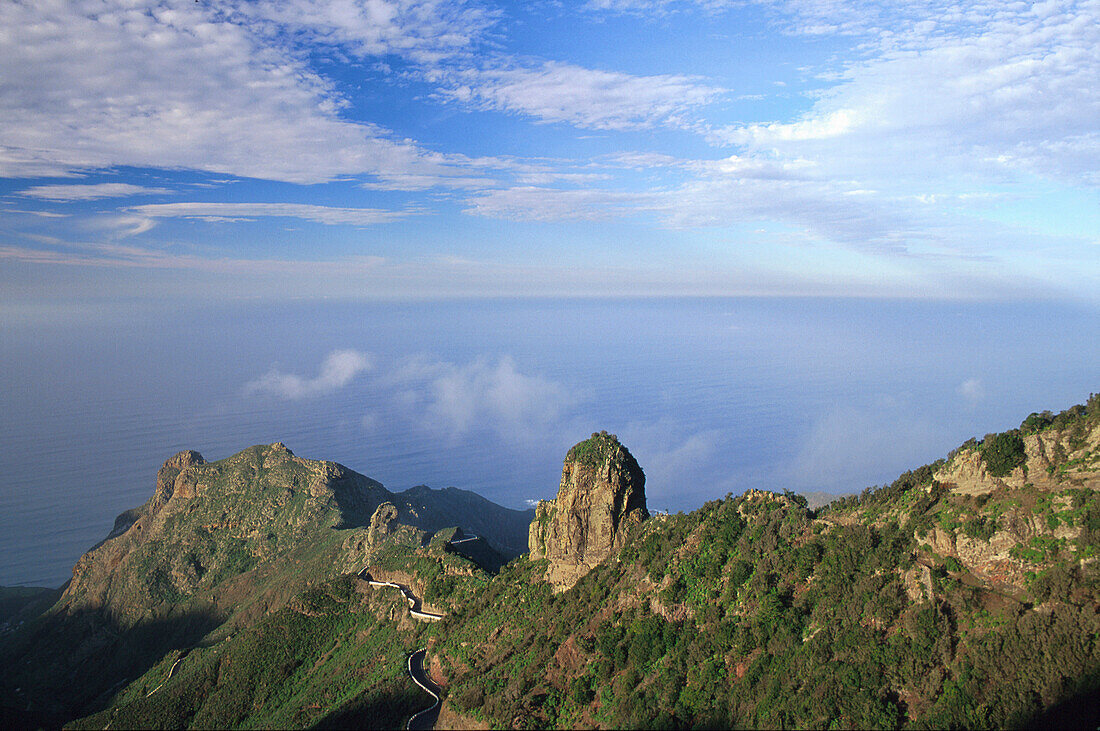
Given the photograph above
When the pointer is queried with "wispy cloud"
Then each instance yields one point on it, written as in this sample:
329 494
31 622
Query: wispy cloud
972 390
330 215
850 447
89 191
676 457
423 30
584 97
339 368
221 95
456 399
955 99
535 203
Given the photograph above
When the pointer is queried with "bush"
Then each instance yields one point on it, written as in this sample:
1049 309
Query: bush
1003 453
980 527
1035 423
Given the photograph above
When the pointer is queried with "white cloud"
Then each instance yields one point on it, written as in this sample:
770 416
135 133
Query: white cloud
533 203
37 214
89 191
92 85
851 447
971 390
821 127
583 97
425 30
673 456
339 368
330 215
986 93
457 399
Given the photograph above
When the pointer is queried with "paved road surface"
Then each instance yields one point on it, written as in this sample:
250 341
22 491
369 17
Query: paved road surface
425 719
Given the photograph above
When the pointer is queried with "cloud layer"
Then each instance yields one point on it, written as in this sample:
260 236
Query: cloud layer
330 215
930 142
583 97
484 394
338 369
89 191
177 86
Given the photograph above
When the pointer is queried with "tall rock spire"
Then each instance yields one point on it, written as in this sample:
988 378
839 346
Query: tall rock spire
601 496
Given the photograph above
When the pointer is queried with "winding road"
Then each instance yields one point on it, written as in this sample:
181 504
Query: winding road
425 719
414 604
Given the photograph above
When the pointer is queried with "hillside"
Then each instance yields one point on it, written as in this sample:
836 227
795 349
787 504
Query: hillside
966 593
216 548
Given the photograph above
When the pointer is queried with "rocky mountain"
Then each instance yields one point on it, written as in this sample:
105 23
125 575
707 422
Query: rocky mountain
601 498
964 594
217 547
504 529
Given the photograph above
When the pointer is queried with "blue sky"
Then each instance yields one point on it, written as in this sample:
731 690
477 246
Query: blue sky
407 148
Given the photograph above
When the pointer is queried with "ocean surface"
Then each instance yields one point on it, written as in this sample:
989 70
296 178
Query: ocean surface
711 395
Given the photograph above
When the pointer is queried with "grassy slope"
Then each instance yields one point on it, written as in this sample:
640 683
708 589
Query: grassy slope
752 612
333 657
257 533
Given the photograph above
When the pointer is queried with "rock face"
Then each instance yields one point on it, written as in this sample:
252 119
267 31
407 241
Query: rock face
1052 460
381 521
601 496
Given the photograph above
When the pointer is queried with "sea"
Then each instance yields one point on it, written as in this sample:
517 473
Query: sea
713 396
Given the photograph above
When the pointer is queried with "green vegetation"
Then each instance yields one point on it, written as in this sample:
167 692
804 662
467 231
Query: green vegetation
1076 421
448 578
1003 453
884 609
902 486
749 615
325 660
594 450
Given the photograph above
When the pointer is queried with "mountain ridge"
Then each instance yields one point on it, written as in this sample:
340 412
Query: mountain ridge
965 593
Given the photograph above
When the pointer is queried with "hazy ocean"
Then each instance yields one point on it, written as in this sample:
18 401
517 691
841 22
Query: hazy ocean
711 395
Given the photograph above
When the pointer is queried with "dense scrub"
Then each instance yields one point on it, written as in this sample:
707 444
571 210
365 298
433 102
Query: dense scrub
914 604
749 612
327 659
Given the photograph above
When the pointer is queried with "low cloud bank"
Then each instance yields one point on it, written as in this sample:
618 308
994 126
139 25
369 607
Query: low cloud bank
337 371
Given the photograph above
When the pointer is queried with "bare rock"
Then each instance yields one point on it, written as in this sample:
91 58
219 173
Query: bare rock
173 466
601 496
381 522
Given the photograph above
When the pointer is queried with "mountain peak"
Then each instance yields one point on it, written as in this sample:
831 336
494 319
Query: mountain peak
601 495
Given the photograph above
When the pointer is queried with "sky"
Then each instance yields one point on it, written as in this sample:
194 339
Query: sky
291 149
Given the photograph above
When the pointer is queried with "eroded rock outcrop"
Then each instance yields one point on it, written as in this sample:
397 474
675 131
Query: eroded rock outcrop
1051 460
381 522
601 496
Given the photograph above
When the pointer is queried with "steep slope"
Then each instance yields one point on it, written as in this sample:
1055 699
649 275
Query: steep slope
333 657
600 499
503 528
929 602
921 603
217 547
209 523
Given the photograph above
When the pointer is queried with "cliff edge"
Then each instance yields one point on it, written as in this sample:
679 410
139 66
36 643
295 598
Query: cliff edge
601 496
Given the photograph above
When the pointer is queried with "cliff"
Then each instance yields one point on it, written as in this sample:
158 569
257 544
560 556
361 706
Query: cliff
600 497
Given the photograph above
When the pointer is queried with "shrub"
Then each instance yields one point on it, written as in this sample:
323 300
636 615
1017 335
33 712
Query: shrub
980 527
1003 453
1035 423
